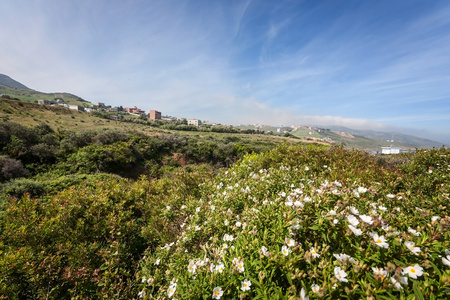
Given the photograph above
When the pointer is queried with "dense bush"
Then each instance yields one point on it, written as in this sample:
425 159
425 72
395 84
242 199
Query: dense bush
297 223
129 154
11 168
87 241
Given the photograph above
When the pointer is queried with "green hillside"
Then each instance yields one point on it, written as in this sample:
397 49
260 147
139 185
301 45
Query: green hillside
364 140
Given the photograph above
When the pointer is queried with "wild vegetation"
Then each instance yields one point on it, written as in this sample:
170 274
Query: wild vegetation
130 210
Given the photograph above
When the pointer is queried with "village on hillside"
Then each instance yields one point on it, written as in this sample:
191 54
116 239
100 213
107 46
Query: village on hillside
118 112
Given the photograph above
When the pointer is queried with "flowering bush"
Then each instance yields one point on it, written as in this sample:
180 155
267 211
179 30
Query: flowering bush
308 222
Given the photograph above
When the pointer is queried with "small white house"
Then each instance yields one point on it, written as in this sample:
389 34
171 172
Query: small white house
390 150
76 107
194 122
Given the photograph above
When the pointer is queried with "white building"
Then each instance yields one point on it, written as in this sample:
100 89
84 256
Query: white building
194 122
390 150
76 107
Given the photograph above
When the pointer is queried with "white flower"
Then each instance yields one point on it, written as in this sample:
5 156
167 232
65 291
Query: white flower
435 218
303 295
298 204
245 285
197 228
335 221
362 190
335 192
238 224
228 237
340 274
396 284
240 266
353 210
380 241
183 206
355 230
391 196
226 222
264 250
446 260
332 212
168 207
150 280
157 261
382 208
171 290
315 288
410 246
366 219
217 293
307 199
200 263
219 268
285 250
412 231
295 224
380 272
192 267
198 209
343 258
352 220
314 253
413 271
289 242
306 168
142 294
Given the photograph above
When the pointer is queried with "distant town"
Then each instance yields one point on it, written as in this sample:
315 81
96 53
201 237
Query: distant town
101 106
118 112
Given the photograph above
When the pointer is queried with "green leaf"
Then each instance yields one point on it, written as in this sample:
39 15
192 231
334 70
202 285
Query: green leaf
289 278
417 292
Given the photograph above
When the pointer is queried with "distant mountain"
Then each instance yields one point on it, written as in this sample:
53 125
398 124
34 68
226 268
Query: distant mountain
351 138
15 89
11 83
390 138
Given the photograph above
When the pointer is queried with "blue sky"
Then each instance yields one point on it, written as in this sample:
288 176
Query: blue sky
382 65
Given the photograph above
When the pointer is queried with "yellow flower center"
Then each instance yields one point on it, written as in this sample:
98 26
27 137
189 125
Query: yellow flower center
245 285
217 292
413 271
379 241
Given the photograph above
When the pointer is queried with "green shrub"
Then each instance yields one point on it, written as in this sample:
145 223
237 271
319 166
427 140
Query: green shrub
297 222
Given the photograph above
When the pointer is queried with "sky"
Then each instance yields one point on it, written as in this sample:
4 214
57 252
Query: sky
382 65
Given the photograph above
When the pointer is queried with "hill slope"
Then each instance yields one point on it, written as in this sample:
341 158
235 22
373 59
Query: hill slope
15 89
11 83
350 138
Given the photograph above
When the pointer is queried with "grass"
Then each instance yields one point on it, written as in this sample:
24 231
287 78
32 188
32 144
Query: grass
33 96
60 118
